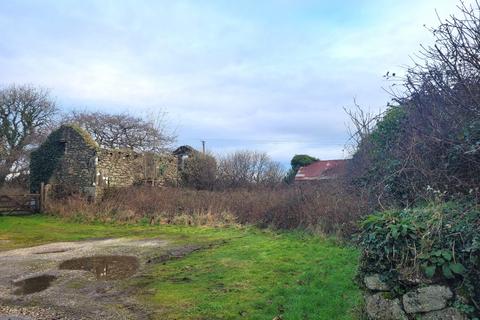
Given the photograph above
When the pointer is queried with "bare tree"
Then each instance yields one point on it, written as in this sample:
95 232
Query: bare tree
124 131
247 168
362 124
26 116
200 171
273 174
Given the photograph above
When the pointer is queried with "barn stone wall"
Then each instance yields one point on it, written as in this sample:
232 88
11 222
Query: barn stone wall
118 168
161 169
121 168
66 161
72 163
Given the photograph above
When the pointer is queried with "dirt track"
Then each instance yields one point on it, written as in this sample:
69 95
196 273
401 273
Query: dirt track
51 282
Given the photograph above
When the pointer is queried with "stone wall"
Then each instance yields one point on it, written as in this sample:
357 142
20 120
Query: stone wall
426 300
166 170
122 168
66 161
119 168
72 163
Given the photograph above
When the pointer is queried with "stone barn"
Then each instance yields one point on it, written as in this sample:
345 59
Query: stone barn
72 163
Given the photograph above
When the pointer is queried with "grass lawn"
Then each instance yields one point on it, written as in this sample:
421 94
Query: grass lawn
253 274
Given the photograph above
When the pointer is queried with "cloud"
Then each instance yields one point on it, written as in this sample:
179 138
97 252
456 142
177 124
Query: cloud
232 72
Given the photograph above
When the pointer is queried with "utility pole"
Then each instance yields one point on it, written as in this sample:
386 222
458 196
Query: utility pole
203 146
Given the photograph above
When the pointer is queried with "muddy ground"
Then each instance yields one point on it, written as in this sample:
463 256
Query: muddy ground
80 280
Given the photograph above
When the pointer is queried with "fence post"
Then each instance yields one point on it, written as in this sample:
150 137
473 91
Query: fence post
42 197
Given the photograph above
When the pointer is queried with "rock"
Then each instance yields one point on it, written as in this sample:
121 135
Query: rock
427 299
413 278
445 314
380 308
374 282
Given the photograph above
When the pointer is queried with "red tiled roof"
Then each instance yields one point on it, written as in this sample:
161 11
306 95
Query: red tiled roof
322 170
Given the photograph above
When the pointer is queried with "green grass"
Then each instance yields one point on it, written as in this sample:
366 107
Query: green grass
255 274
37 229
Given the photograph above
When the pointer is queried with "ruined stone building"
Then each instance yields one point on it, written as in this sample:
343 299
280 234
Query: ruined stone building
182 153
72 163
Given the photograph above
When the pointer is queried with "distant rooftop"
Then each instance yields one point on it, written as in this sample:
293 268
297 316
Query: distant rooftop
322 170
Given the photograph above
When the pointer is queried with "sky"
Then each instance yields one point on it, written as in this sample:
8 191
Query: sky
271 75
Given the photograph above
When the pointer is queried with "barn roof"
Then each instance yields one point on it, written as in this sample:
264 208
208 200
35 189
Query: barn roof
184 150
322 170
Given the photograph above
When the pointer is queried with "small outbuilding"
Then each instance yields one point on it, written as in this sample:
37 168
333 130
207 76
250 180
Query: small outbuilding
72 163
182 153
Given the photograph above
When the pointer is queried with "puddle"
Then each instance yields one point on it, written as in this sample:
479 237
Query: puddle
34 284
104 267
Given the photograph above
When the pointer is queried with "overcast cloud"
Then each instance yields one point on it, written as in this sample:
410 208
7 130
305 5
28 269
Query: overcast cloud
264 75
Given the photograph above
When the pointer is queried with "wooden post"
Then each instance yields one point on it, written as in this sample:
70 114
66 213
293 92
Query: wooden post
46 195
42 197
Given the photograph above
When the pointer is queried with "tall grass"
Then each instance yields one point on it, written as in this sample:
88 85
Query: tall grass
326 208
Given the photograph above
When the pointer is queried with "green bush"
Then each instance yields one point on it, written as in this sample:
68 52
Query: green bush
298 160
439 242
377 163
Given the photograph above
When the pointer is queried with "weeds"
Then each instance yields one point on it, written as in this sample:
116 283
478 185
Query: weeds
327 208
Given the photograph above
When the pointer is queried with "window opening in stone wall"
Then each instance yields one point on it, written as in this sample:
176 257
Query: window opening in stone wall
63 146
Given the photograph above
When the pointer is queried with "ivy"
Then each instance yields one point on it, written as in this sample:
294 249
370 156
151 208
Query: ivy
45 160
438 241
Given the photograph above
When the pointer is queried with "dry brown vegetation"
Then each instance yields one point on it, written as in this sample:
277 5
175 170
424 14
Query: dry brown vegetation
325 208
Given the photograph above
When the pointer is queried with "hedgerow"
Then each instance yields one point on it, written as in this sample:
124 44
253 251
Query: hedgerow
438 243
